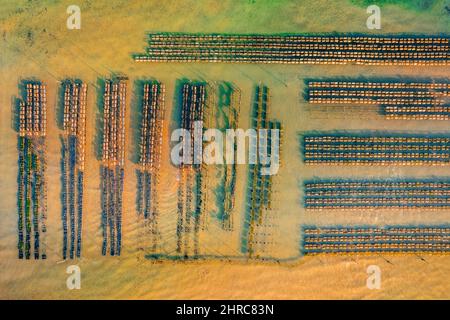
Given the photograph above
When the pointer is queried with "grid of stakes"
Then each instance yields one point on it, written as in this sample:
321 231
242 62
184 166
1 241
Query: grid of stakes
397 100
297 49
152 123
259 219
375 148
112 167
72 165
229 107
191 191
371 239
377 194
32 193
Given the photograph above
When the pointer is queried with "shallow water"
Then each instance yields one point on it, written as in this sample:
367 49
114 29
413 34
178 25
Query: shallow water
35 43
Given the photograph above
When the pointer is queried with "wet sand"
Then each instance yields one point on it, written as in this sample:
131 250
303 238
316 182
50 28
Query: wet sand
42 47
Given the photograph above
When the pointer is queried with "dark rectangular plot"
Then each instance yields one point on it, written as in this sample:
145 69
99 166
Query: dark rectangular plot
368 239
297 49
357 194
375 148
